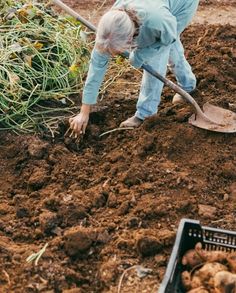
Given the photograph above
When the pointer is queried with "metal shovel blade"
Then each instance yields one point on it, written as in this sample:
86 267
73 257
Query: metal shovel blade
212 118
221 120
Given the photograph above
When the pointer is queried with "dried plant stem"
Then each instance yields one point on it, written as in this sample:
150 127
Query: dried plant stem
36 256
116 129
122 277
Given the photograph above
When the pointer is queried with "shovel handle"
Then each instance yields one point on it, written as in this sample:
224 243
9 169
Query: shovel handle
146 67
71 12
174 87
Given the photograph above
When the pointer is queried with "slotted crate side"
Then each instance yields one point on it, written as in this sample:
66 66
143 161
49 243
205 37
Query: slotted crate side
218 239
189 233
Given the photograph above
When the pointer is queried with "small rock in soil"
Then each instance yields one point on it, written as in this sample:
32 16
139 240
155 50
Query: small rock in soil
225 197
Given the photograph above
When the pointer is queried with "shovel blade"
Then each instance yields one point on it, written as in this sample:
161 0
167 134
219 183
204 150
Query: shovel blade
223 120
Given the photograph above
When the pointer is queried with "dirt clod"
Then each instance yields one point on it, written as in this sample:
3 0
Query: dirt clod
207 211
48 221
148 245
37 148
78 240
38 178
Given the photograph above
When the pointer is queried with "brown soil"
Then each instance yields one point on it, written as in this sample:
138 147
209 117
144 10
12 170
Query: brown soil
108 203
209 11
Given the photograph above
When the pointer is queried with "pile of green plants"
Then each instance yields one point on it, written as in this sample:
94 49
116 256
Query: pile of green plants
43 58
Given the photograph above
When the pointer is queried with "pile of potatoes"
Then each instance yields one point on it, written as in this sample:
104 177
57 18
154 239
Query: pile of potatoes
209 271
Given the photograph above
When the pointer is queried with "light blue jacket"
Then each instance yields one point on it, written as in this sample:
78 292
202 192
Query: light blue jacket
161 23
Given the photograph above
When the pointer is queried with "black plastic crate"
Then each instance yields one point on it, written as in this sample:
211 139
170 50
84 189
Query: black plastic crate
189 233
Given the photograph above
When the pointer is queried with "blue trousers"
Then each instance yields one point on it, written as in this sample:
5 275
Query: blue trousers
151 88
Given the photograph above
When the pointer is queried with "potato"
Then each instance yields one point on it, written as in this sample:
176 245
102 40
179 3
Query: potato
196 282
210 256
204 277
225 282
186 280
231 260
196 256
189 282
208 271
191 258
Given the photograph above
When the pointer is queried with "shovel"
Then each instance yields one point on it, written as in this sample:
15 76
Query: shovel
212 118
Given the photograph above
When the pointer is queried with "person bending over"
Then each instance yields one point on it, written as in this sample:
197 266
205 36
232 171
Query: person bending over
150 31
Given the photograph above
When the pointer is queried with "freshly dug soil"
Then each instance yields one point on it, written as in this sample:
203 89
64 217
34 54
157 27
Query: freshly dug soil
107 203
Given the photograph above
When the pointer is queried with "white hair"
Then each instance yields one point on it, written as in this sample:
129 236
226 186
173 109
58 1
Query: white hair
115 31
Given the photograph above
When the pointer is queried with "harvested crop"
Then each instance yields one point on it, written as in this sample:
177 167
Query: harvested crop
231 260
209 271
198 255
191 258
187 281
43 61
210 256
202 277
225 282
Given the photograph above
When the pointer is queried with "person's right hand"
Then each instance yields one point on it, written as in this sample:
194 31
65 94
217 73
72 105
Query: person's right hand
79 123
